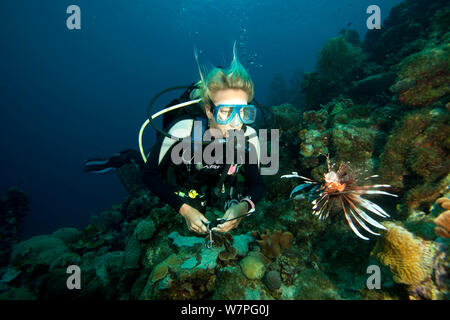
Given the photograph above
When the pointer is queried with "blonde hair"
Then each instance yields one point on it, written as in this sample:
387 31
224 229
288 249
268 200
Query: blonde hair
235 77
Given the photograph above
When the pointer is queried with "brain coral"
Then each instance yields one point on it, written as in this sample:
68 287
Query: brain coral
409 258
252 267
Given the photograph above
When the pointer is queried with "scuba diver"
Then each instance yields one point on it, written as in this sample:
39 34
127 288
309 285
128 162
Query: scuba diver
218 103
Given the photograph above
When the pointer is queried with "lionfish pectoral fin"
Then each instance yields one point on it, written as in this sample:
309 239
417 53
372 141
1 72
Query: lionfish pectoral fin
362 224
363 215
369 205
299 197
298 188
350 223
292 175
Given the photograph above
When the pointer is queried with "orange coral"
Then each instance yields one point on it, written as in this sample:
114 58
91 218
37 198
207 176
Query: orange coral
271 244
409 258
443 220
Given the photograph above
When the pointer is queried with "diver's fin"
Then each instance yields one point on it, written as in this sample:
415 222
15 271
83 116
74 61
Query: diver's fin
131 177
99 166
109 164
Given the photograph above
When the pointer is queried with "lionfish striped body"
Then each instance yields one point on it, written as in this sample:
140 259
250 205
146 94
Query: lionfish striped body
339 192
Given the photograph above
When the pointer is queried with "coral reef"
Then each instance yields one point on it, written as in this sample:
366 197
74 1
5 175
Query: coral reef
424 77
348 130
405 31
417 150
373 85
315 285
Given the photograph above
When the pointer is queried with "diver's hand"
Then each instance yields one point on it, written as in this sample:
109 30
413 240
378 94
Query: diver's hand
193 218
233 212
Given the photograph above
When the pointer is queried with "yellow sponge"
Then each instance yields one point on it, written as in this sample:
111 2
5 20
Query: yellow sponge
409 258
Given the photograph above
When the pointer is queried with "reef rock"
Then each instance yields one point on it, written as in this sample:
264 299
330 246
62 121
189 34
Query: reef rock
67 235
38 251
424 77
418 148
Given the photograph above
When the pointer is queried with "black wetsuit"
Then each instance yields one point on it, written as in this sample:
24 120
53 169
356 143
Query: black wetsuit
166 178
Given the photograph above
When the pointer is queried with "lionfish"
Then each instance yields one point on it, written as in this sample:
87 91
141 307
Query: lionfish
339 192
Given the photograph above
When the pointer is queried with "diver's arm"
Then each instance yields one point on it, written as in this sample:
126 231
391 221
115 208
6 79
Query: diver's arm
154 182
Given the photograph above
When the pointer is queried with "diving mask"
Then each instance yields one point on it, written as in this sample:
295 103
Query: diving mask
234 113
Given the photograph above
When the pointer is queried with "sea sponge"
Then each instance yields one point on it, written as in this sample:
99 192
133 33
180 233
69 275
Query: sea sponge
443 202
443 220
272 279
252 267
409 258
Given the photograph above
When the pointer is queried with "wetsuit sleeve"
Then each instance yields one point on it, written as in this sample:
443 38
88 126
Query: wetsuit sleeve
253 182
154 181
254 185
